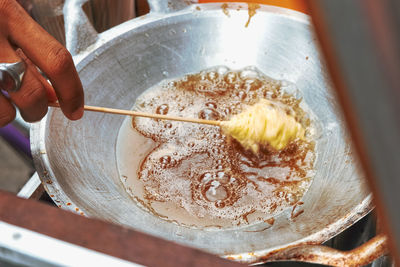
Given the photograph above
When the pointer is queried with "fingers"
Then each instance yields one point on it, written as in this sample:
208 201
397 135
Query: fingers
51 95
50 56
7 111
31 98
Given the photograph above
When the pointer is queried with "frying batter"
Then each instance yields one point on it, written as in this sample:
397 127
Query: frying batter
263 124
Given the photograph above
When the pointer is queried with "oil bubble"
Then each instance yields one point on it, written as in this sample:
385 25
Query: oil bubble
219 204
204 178
230 77
162 109
165 160
209 114
211 105
252 84
222 70
241 95
203 75
173 162
215 191
223 177
212 75
217 136
248 73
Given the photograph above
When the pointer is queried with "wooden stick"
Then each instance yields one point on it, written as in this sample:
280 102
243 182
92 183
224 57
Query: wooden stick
143 114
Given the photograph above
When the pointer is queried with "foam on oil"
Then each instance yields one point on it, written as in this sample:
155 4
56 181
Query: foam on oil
194 175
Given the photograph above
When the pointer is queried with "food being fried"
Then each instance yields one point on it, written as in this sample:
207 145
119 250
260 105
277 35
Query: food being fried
263 124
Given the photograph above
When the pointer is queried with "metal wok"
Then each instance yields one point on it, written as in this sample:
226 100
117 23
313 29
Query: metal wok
77 160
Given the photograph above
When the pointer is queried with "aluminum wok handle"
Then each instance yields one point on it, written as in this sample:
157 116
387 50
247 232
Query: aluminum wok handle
80 33
360 256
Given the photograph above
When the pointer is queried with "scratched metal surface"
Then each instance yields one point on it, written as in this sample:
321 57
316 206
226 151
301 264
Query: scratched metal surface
77 161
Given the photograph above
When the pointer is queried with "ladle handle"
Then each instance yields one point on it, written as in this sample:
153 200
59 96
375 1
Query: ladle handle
360 256
144 114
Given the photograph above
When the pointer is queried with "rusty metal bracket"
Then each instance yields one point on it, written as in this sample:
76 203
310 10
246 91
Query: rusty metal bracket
360 256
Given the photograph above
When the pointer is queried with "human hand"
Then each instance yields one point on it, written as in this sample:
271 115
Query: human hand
21 38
